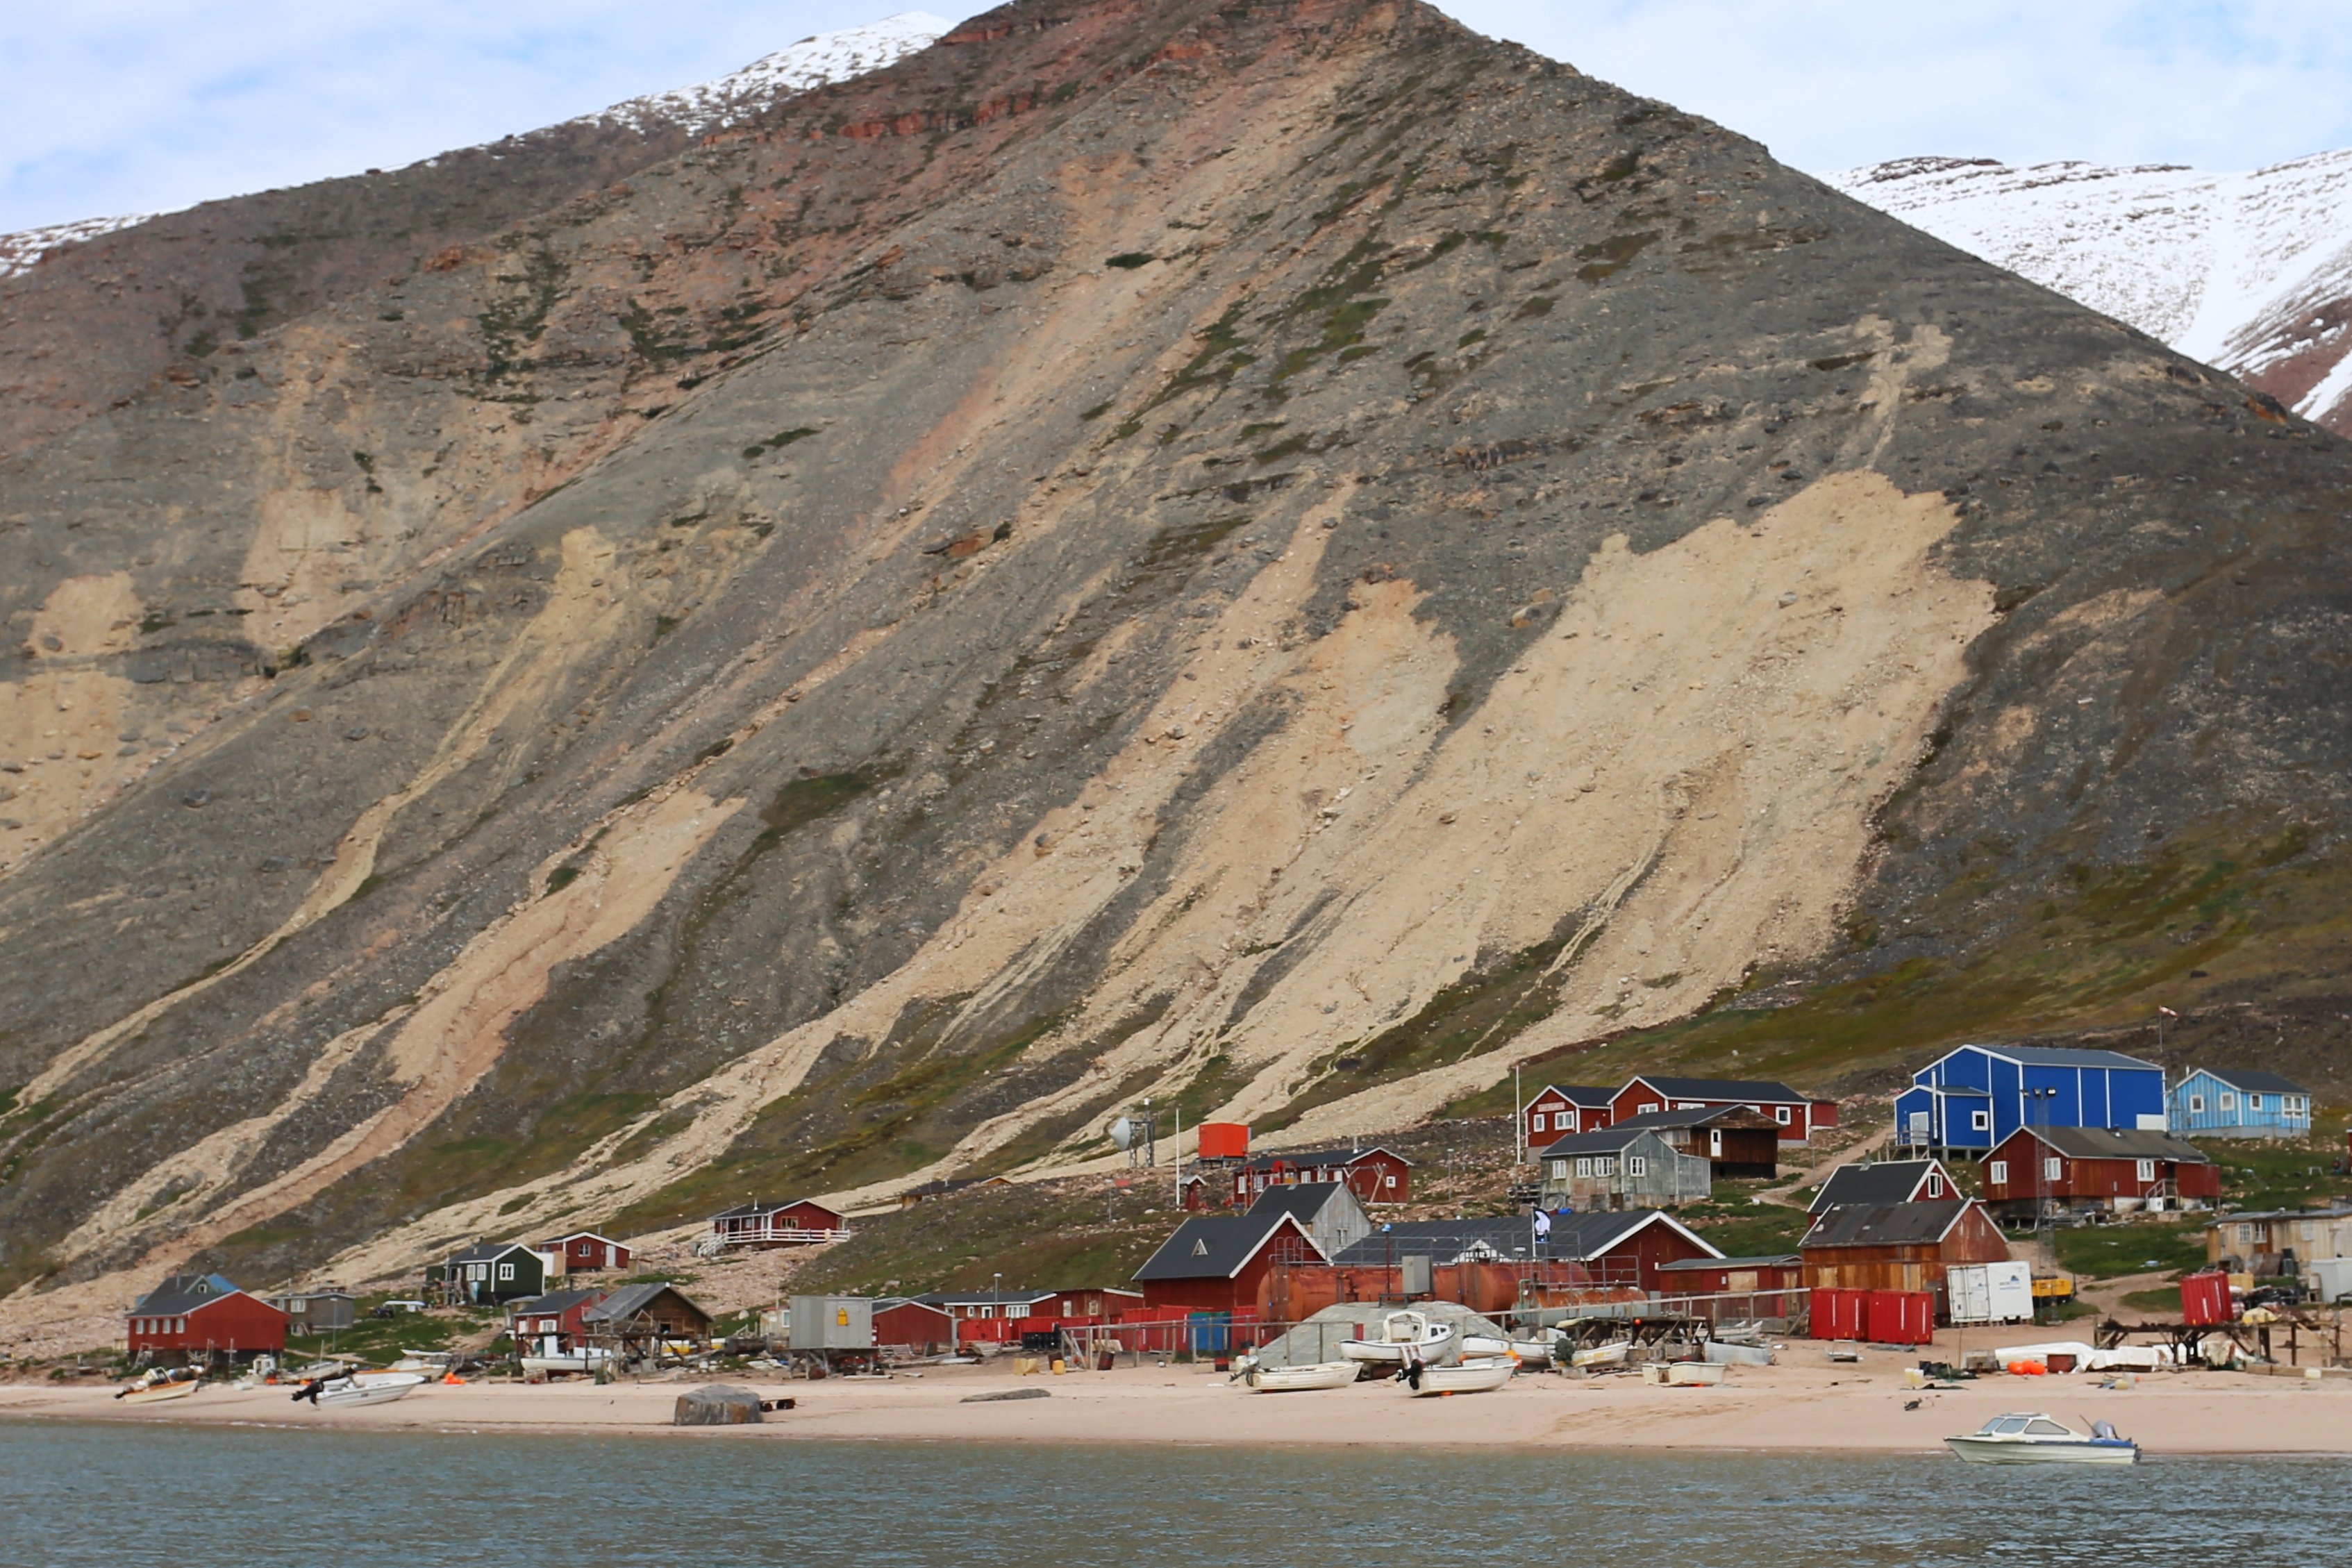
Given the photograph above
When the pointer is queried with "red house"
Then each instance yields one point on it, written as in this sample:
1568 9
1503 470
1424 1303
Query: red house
1215 1263
550 1324
2091 1169
799 1223
1558 1111
922 1328
1796 1115
585 1252
1374 1176
1732 1276
198 1317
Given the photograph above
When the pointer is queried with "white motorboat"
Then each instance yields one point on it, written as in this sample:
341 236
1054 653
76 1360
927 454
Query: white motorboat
2037 1439
1479 1374
1593 1358
1537 1352
155 1388
1314 1375
592 1359
1400 1333
352 1389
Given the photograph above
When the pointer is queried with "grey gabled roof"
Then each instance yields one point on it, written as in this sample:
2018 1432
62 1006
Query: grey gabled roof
2063 1056
2254 1082
1883 1182
1574 1237
1579 1236
747 1210
1884 1224
552 1303
1694 1116
1295 1157
630 1299
1598 1096
2105 1143
1303 1200
1607 1140
554 1241
487 1251
1774 1260
1217 1247
1770 1093
181 1294
983 1298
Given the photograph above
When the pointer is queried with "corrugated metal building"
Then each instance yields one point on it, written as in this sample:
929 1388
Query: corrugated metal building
1898 1247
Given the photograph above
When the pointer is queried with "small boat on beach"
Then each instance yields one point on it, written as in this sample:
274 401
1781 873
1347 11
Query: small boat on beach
1479 1374
154 1387
592 1359
2032 1438
1292 1379
350 1389
1536 1353
1400 1333
1598 1358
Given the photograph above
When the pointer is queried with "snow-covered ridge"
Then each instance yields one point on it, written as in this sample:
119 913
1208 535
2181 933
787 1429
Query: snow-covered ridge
20 250
2251 271
811 63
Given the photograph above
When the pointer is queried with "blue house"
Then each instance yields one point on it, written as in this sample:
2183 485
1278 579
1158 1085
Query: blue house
1976 1096
2235 1103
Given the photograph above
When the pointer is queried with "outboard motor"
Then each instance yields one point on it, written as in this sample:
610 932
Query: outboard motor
2104 1432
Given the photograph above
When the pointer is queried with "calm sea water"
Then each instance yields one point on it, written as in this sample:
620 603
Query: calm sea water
125 1497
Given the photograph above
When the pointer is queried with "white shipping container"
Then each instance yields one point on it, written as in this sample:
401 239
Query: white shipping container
2331 1277
1989 1292
832 1323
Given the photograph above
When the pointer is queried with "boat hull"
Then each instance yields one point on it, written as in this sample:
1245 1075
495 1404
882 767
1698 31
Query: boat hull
370 1388
1464 1377
161 1391
1977 1450
1297 1379
579 1362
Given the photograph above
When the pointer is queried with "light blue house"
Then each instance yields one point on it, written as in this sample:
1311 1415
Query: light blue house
2235 1103
1972 1097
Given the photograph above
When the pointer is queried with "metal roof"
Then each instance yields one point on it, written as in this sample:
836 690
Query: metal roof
1574 1237
552 1302
2063 1056
577 1235
487 1251
1884 1224
983 1298
1723 1088
2107 1143
1303 1200
2252 1082
1885 1182
746 1210
1692 1116
1605 1141
1218 1247
630 1299
1273 1158
1592 1094
181 1294
2229 1217
1777 1260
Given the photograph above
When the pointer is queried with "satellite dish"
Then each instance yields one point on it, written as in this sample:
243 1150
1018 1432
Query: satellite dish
1122 1132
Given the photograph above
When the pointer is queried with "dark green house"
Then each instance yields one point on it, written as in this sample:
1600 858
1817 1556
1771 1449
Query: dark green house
496 1271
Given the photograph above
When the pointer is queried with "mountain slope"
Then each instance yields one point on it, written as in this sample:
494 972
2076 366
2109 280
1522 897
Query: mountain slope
95 312
2251 271
1282 556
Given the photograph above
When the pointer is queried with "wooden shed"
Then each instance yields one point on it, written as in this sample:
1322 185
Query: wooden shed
914 1326
2081 1170
1885 1182
585 1252
638 1318
1622 1168
1898 1247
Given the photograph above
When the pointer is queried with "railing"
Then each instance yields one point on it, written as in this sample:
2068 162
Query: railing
717 1242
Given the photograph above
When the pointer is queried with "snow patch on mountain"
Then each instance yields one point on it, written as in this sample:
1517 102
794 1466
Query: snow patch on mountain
811 63
2251 271
20 251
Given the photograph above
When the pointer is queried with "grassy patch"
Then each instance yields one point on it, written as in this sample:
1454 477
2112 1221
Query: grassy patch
2107 1251
1748 1230
1058 1236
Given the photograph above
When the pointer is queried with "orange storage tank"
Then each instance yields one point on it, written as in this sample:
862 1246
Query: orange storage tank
1224 1141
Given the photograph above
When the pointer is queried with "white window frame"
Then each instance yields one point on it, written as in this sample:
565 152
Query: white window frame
1979 1120
2228 1100
1584 1166
2054 1169
1935 1184
2144 1170
2196 1105
1996 1172
1636 1165
506 1270
1560 1170
1390 1180
1542 1120
2253 1102
1780 1115
1650 1106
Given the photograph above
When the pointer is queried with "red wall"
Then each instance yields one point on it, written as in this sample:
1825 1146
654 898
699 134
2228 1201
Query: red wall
2090 1178
913 1323
239 1323
582 1253
1798 1127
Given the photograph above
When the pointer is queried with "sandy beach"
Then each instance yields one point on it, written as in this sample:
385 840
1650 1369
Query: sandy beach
1808 1402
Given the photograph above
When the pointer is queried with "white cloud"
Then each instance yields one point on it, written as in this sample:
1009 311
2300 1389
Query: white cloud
141 105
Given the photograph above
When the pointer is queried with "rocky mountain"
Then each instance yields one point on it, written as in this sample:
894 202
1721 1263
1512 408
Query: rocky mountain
115 304
2251 271
1274 554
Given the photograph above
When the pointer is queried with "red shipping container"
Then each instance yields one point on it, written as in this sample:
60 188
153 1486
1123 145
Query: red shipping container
1837 1314
1224 1141
1900 1317
2205 1299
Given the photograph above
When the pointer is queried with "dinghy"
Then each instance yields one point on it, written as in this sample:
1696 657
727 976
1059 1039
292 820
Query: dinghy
1481 1375
1291 1379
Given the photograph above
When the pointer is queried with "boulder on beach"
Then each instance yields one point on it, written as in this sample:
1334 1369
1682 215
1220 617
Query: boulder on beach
717 1404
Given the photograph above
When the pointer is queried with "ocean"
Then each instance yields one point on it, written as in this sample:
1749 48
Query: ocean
126 1496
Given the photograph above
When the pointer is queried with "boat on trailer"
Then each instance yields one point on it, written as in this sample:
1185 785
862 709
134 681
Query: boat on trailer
1402 1334
2033 1438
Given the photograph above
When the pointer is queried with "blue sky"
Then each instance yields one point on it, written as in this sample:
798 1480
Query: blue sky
117 106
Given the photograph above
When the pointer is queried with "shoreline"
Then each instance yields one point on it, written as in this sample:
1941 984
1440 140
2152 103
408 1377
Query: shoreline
1806 1405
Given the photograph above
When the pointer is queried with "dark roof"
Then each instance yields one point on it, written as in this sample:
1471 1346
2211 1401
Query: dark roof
1273 1157
181 1294
1778 1260
745 1210
1607 1140
485 1251
555 1301
1574 1237
576 1235
1217 1247
1723 1088
891 1303
2254 1082
1885 1182
1592 1094
2064 1056
2226 1216
1694 1116
630 1299
2104 1144
1302 1199
1883 1224
983 1297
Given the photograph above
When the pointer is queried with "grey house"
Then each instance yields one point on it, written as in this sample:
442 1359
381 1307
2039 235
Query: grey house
1622 1168
1328 1211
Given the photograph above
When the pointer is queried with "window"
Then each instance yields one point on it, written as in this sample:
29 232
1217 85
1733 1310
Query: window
1780 1115
1606 1165
1636 1166
1714 1143
1541 1121
2307 1230
1980 1121
2053 1168
2245 1235
2196 1104
506 1270
2295 1105
2228 1100
1584 1167
1560 1170
1935 1184
1389 1180
2145 1170
1652 1106
2253 1102
1996 1172
1695 1105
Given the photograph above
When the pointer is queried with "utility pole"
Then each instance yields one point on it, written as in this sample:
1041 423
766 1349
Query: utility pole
1518 1118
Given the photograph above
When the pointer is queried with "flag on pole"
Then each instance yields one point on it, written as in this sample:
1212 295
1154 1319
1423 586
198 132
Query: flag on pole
2167 1012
